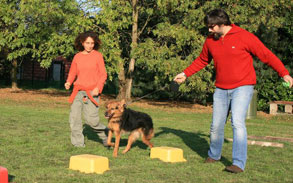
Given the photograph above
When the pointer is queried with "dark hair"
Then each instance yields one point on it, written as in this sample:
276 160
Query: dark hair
83 36
217 17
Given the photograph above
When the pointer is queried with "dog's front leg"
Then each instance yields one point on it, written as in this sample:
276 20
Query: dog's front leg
117 141
110 138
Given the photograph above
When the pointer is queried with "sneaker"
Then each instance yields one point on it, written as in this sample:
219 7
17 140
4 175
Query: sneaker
210 160
233 169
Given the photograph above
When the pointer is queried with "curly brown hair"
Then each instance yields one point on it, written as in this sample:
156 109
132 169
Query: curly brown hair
83 36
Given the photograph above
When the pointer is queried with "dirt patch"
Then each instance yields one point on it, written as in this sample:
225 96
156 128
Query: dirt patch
61 97
33 95
173 106
263 114
57 97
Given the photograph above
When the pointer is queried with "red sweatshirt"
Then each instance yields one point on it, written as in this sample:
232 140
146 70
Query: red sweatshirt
89 70
233 60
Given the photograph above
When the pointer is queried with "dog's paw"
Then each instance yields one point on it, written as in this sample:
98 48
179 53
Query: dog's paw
111 144
125 151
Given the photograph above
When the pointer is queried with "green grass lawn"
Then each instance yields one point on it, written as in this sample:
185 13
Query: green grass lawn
35 148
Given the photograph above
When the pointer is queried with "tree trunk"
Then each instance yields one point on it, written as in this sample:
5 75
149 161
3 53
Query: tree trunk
122 81
128 84
14 75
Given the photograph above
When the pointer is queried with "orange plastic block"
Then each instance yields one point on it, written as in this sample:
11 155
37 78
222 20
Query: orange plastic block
3 175
88 163
168 154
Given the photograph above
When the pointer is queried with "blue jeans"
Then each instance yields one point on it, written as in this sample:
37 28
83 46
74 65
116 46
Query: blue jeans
237 101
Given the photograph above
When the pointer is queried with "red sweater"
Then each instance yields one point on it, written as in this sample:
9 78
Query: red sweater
233 60
90 72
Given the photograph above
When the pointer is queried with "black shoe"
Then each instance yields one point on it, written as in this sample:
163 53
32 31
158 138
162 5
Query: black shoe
233 169
106 131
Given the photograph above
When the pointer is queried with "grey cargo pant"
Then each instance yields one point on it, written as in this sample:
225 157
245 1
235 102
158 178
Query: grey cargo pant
91 116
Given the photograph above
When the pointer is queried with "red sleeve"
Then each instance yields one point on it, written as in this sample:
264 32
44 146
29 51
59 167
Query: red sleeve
200 62
257 48
102 73
72 72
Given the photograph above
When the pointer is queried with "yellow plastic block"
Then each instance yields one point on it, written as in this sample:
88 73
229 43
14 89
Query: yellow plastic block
88 163
168 154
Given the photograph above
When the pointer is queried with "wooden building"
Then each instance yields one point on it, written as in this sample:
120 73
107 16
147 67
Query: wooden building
31 70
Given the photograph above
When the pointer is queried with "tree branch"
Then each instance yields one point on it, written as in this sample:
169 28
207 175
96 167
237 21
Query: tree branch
145 24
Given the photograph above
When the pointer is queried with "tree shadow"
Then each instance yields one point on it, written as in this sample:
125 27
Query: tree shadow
195 141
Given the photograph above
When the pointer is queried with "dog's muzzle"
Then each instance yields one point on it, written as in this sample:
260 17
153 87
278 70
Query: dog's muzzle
107 115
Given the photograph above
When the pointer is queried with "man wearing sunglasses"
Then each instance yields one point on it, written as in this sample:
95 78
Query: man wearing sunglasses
231 48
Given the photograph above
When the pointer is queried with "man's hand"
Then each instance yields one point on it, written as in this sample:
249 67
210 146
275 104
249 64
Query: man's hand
67 85
95 91
180 78
288 79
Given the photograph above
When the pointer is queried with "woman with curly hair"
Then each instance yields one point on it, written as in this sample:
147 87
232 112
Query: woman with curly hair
88 75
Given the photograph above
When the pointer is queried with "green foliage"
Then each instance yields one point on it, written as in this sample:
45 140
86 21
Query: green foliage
171 35
270 88
275 32
173 45
42 30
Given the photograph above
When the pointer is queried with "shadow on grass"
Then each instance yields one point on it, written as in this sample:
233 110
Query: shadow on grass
195 141
10 178
90 134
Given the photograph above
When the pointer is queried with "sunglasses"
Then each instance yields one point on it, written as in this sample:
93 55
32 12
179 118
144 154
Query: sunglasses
211 26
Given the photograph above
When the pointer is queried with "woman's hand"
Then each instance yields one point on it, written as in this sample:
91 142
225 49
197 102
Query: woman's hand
180 78
95 91
67 85
288 79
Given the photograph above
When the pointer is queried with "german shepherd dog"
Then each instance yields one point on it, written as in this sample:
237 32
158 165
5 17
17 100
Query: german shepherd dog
122 119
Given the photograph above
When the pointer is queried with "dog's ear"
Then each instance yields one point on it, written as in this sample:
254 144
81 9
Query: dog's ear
122 104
